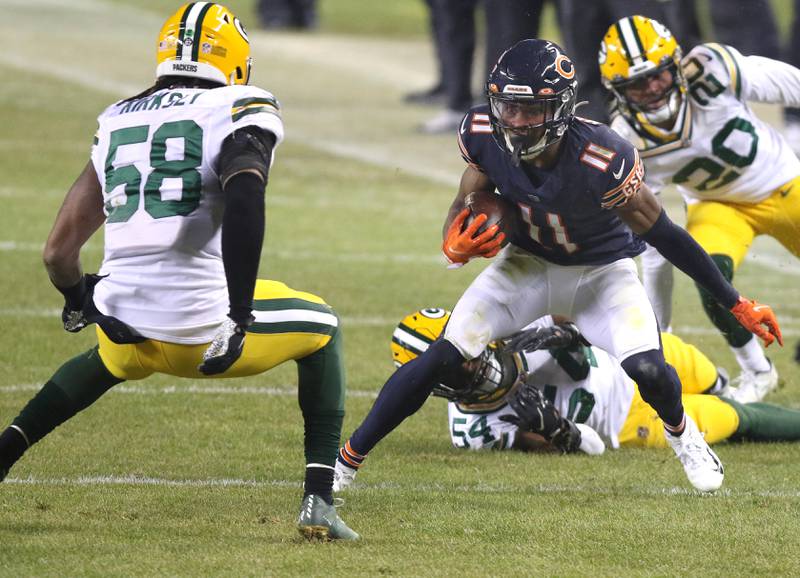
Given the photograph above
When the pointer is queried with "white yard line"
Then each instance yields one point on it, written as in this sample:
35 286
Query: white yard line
478 488
192 389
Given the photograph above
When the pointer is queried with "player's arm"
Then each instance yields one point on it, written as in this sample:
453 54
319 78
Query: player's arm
460 244
79 217
762 79
643 213
243 167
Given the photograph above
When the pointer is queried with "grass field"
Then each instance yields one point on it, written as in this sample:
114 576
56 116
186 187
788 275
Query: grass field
203 478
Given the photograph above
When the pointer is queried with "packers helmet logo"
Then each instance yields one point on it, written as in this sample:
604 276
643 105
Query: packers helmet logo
433 312
416 332
660 29
240 27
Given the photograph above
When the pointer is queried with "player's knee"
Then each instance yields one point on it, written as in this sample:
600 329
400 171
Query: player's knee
650 371
444 358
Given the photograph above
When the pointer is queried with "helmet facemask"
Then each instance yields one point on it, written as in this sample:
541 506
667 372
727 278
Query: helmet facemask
525 125
484 379
642 109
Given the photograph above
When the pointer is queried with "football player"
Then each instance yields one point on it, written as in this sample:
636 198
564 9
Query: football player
177 176
690 121
515 387
580 188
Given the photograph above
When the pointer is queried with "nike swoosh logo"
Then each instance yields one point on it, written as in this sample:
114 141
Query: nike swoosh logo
759 307
618 174
785 192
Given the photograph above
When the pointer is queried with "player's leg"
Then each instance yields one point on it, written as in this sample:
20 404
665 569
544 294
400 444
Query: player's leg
506 296
613 312
715 418
75 386
726 233
696 372
657 277
321 395
765 422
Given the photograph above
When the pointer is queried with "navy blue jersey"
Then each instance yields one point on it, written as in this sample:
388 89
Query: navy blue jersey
567 207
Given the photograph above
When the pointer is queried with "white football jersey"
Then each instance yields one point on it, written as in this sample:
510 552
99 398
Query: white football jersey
586 385
719 149
156 159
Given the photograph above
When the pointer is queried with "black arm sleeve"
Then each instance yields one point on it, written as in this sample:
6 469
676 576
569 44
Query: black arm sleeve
678 247
242 237
245 149
243 167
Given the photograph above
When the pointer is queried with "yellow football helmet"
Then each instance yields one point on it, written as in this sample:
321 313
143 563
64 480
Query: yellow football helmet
483 380
204 40
635 49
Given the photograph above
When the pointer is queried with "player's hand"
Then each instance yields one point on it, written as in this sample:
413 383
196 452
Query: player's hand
754 316
462 245
225 348
80 311
567 439
532 412
561 335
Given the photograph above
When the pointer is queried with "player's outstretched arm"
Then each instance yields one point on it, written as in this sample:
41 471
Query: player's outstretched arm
645 216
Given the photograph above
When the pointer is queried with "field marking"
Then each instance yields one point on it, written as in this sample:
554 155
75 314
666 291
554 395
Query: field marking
193 389
478 488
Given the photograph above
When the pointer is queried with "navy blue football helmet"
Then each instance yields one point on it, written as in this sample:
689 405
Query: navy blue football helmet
532 94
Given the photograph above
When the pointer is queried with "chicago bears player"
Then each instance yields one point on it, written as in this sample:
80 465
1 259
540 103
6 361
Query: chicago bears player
580 188
691 123
177 174
583 384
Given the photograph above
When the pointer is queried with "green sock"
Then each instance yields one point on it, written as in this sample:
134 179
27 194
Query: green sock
321 395
75 386
731 329
764 422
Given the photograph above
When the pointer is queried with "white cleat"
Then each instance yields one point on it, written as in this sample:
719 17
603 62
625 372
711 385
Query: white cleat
343 476
701 464
750 386
591 443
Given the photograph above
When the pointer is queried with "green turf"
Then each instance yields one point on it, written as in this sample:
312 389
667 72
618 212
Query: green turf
161 479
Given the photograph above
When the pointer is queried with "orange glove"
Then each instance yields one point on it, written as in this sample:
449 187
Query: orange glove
461 246
752 315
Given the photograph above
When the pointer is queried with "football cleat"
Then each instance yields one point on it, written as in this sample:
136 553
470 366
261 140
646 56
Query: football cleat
752 386
204 40
318 520
343 476
701 464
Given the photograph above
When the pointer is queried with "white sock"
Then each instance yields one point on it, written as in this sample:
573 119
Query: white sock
751 356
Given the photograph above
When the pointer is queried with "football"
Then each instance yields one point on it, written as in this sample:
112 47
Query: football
500 211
